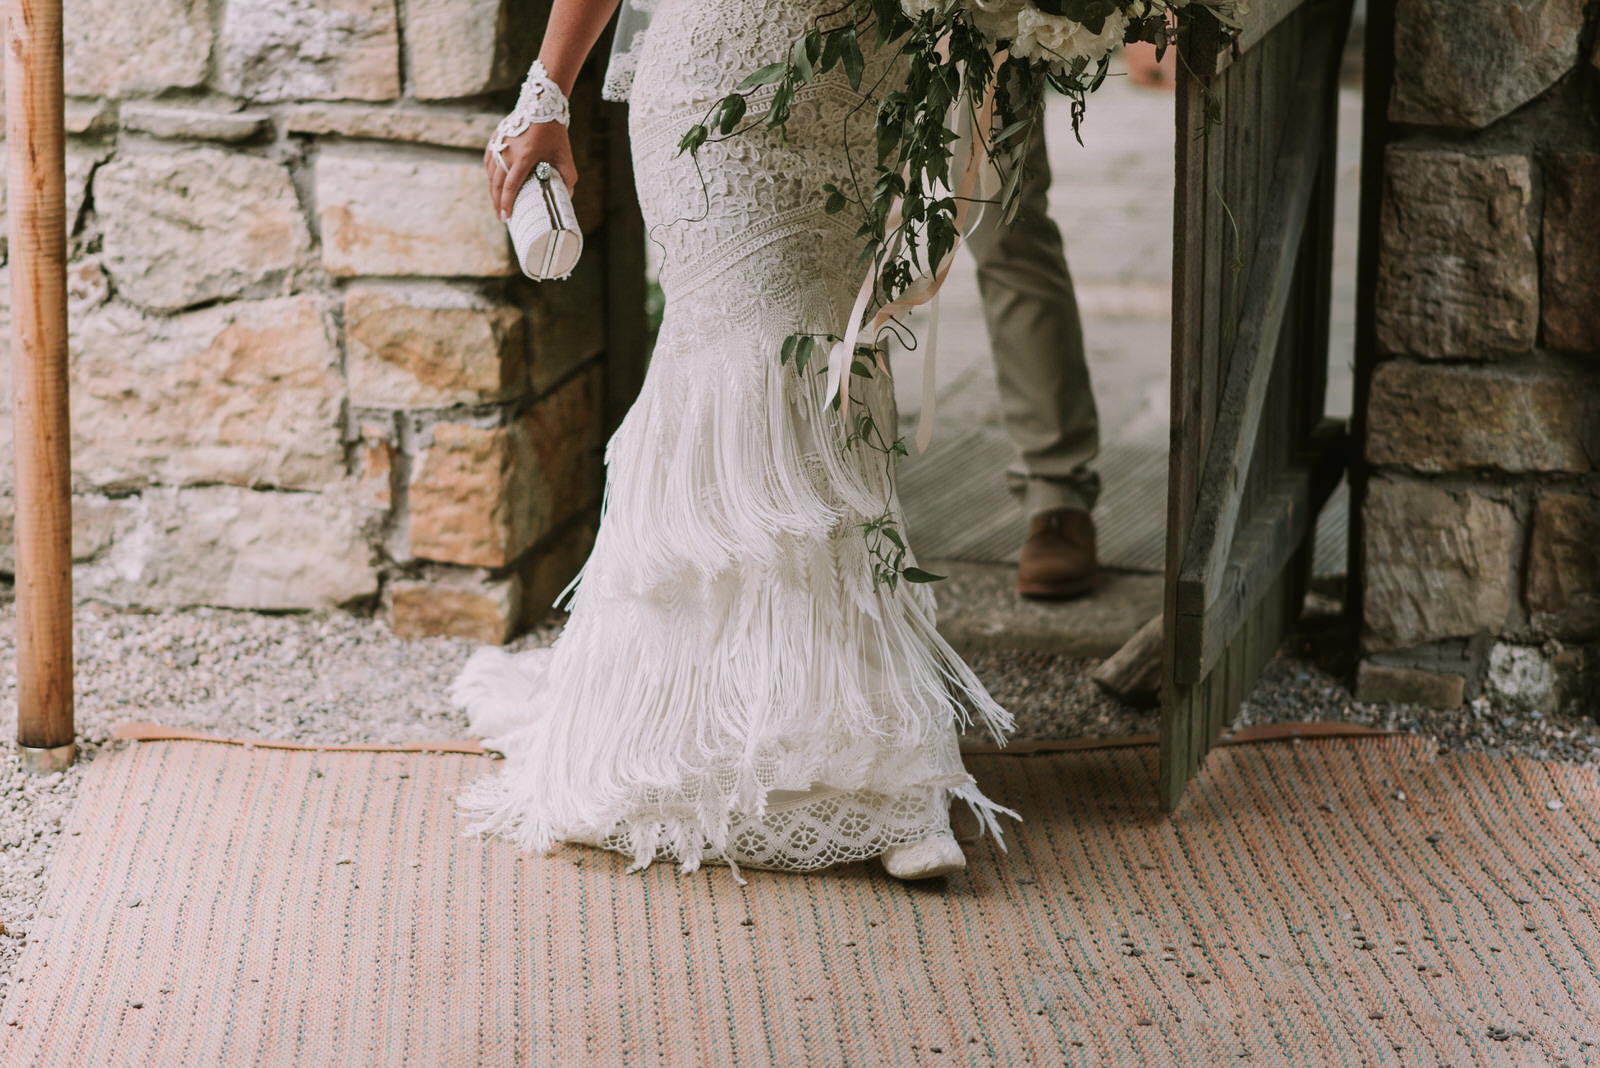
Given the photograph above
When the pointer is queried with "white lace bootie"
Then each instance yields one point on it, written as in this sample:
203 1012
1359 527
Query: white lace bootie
929 858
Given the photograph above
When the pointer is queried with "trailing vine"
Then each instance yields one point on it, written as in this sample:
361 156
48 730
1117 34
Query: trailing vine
988 63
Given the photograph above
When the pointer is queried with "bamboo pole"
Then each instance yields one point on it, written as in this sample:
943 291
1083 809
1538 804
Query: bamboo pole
36 191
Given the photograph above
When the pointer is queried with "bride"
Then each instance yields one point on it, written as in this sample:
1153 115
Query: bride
732 685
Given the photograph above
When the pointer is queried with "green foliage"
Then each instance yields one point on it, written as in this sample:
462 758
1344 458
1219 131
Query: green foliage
940 65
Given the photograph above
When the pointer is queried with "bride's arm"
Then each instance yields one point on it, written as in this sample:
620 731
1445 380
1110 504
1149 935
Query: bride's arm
575 25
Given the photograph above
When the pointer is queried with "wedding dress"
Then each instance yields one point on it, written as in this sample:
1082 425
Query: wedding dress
731 685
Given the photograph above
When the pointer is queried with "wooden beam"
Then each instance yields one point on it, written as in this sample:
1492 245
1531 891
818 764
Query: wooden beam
1224 45
36 191
1133 673
1280 525
1255 348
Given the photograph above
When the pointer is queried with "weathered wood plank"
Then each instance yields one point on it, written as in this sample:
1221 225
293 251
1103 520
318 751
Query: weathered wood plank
1133 673
1243 401
1258 108
1178 706
1225 47
1263 549
1212 281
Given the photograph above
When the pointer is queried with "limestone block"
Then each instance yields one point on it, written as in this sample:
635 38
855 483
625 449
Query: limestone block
465 47
1455 418
1571 253
273 50
401 213
112 47
200 124
549 567
1437 564
456 604
247 393
1466 63
466 495
1457 272
375 465
452 129
430 346
1563 585
235 548
83 117
186 226
1522 678
1377 683
482 496
563 432
81 162
93 520
564 327
1577 682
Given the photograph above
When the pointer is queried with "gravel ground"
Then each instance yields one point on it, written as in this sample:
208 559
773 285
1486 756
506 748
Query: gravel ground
338 678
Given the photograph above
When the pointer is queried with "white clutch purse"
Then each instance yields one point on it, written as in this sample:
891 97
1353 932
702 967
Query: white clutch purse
543 226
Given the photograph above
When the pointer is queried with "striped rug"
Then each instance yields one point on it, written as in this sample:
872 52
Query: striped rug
1338 901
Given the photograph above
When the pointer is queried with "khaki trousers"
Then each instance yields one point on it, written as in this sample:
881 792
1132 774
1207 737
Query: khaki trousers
1032 315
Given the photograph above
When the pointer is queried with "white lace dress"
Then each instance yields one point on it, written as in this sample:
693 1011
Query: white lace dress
731 686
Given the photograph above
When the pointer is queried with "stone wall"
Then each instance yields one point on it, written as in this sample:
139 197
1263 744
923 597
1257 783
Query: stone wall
1480 535
305 370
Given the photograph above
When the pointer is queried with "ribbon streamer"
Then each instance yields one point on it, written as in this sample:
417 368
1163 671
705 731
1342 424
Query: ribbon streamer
973 128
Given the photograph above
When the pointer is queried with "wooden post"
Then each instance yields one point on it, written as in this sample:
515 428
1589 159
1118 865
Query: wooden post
36 193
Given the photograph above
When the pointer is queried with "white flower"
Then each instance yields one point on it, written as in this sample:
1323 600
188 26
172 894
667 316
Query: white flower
1061 40
996 19
915 9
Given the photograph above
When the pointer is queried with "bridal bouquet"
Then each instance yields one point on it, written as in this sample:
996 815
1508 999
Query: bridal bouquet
954 115
987 62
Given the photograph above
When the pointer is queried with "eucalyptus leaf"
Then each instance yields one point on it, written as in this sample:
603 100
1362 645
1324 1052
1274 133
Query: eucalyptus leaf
732 108
800 60
802 352
771 73
854 63
692 140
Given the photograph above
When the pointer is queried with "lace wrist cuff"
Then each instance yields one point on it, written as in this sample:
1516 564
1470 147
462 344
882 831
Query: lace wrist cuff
541 100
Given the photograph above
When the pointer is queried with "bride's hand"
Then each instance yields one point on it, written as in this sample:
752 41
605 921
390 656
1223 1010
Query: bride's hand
543 142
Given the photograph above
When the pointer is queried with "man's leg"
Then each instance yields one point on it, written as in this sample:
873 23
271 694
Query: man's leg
1045 394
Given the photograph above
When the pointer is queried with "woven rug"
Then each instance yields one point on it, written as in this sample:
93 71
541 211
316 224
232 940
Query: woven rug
1338 901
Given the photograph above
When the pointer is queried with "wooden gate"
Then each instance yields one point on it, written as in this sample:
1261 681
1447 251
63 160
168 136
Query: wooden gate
1253 458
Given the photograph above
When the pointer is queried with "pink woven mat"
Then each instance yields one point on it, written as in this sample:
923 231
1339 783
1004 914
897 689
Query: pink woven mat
1338 901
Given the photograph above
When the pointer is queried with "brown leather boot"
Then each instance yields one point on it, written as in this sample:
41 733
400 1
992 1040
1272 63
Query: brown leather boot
1058 558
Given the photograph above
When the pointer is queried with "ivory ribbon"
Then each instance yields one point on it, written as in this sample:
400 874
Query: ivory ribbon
924 290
